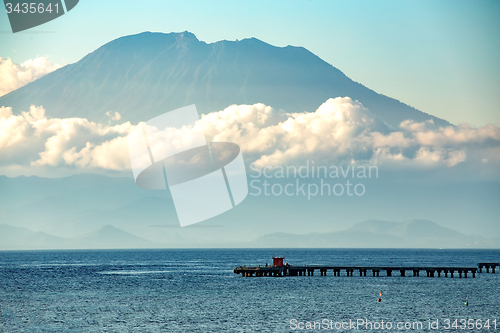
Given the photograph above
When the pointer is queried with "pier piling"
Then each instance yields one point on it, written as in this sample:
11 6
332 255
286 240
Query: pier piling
279 269
488 265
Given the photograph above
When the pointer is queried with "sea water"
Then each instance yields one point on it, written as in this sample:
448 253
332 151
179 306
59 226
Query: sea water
197 291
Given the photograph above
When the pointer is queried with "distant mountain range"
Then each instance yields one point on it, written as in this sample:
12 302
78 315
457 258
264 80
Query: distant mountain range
107 237
56 205
71 207
369 234
383 234
145 75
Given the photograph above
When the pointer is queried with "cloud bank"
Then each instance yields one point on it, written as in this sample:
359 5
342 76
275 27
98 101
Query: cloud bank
33 139
340 131
13 76
343 131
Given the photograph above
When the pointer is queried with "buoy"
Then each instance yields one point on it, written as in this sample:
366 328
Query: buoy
380 297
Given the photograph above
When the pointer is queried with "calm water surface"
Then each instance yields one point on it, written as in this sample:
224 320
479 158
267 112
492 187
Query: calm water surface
197 291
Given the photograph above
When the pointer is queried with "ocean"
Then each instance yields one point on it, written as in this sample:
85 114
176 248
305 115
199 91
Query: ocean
192 290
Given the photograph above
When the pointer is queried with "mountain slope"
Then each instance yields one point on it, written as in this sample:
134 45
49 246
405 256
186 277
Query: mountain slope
109 237
418 232
12 238
131 217
144 75
53 204
71 206
342 239
382 234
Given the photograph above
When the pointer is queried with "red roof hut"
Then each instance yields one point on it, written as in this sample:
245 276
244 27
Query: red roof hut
278 261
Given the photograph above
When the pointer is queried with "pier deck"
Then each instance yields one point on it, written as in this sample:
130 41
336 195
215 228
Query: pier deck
288 270
488 265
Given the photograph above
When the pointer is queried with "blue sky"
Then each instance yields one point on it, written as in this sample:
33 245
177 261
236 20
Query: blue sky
438 56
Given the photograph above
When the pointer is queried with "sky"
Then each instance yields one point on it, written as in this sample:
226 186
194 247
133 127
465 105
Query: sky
438 56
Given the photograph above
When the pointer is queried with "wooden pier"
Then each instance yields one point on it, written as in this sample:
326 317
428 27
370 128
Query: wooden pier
278 269
488 265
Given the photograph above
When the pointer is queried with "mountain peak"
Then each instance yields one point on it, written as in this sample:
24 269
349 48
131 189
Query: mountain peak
108 227
173 70
109 236
187 34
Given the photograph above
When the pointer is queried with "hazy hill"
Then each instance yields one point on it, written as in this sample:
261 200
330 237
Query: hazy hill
341 239
415 231
53 205
13 238
147 74
110 237
382 234
131 217
72 206
107 237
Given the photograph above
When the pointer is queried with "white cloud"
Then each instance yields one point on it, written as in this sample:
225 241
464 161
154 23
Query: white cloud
32 138
13 76
339 131
115 116
343 131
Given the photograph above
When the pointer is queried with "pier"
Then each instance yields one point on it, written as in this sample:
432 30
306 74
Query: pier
488 265
279 269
